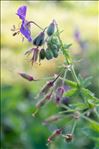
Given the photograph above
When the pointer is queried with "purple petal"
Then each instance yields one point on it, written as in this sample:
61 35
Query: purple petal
21 12
25 31
77 34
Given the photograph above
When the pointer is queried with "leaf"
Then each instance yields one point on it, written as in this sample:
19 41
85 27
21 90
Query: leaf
87 93
91 134
70 92
67 46
80 106
71 83
84 81
87 81
92 124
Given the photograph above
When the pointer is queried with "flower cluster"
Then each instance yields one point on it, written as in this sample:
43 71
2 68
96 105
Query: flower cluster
60 90
45 44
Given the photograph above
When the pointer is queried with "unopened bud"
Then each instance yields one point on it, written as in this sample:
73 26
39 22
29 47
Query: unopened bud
39 40
42 54
49 54
26 76
51 29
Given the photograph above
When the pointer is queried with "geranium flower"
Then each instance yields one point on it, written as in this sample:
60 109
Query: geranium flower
25 26
25 30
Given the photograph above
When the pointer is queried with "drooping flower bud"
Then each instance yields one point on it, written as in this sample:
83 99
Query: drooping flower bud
51 29
26 76
59 94
49 54
39 40
42 54
55 134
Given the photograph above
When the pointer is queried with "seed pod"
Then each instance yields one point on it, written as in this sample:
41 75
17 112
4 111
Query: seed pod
51 29
39 40
49 54
51 119
43 101
48 86
55 134
42 54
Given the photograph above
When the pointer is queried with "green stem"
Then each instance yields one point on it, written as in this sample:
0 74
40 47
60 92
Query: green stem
68 59
34 24
65 73
74 126
97 114
69 62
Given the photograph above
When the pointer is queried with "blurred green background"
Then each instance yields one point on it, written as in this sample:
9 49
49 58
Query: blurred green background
19 129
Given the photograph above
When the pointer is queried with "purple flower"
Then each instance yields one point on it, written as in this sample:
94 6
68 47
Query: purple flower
25 26
77 34
25 30
21 12
82 43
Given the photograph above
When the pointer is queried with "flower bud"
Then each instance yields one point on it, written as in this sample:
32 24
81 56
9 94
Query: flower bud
26 76
39 40
59 94
51 29
55 52
42 54
49 54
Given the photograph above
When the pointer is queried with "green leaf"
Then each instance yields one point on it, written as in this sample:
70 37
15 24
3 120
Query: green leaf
87 93
67 46
91 134
87 81
70 92
79 106
92 124
71 83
